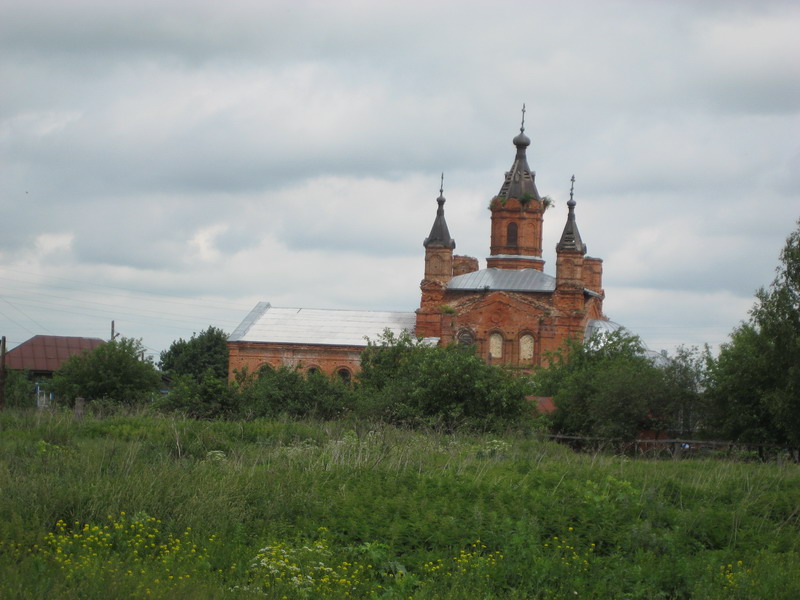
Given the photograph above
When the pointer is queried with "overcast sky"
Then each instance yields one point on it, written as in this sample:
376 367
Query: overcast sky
168 164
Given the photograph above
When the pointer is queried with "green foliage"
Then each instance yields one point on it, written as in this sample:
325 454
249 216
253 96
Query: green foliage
20 390
204 352
686 379
755 382
210 398
198 369
741 378
607 387
113 371
287 391
132 556
406 382
129 507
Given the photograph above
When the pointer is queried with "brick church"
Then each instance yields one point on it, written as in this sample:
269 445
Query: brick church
511 311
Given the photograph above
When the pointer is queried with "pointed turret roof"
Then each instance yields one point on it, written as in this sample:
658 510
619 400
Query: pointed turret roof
440 235
520 180
571 237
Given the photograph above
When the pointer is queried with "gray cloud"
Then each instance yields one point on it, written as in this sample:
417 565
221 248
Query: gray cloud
196 158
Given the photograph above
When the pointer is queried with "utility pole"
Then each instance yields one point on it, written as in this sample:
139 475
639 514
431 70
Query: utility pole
3 373
113 335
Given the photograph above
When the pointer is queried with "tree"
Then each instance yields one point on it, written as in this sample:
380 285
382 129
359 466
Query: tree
206 351
211 398
755 382
20 390
686 378
113 371
605 387
740 380
410 383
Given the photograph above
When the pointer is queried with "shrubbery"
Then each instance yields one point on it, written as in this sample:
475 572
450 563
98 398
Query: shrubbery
19 389
605 387
402 382
405 382
286 391
113 371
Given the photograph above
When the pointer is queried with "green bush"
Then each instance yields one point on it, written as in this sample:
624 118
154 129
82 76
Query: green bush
605 387
287 391
115 371
208 398
406 382
20 390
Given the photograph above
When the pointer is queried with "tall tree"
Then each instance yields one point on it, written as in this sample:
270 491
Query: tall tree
755 385
686 375
204 352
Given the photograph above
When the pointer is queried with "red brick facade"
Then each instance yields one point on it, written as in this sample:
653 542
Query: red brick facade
341 360
512 311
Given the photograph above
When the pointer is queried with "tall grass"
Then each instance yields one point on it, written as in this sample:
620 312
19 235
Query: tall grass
376 511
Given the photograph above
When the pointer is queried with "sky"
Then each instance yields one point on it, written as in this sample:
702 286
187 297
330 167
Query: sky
168 164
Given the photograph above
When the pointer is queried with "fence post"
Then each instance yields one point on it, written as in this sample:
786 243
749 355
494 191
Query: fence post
79 406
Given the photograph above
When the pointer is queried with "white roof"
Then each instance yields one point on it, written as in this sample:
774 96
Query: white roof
266 323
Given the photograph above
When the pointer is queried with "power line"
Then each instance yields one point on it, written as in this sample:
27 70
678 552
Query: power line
25 315
173 298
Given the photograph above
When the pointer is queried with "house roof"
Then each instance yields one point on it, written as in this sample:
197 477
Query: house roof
48 352
267 323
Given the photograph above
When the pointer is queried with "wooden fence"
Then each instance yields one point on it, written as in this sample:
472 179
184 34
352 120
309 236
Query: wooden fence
678 448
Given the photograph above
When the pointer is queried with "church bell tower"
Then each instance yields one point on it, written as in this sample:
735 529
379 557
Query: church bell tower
517 215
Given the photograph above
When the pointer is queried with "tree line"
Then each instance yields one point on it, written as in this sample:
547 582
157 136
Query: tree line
608 386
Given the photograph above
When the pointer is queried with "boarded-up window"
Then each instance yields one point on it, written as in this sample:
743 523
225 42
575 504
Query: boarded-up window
496 345
512 234
436 265
526 348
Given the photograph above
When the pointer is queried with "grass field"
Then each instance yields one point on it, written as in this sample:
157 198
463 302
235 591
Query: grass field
147 506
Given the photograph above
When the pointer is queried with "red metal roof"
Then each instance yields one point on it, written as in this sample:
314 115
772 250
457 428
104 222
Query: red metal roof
48 352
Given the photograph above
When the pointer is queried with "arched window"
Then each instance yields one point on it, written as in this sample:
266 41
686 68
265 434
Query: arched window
344 374
511 234
526 348
496 345
465 337
312 370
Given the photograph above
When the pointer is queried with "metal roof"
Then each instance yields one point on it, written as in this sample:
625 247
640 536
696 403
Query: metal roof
522 280
267 323
440 235
48 352
520 180
604 327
